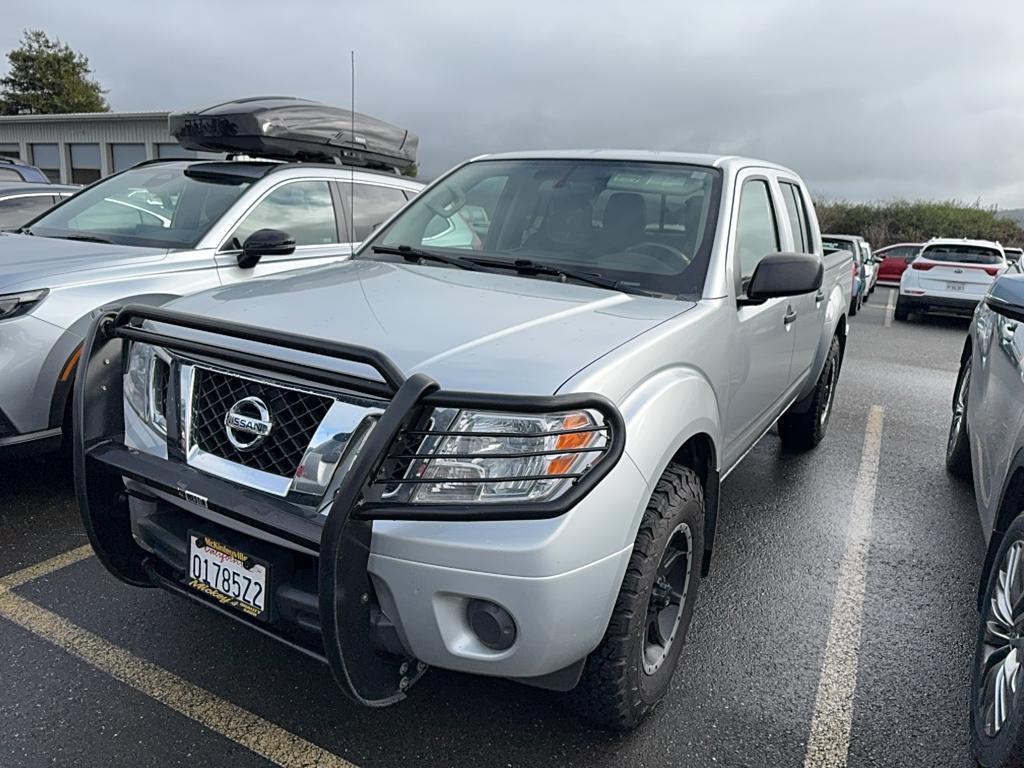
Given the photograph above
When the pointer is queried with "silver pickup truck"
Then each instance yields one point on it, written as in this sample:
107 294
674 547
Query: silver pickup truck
501 458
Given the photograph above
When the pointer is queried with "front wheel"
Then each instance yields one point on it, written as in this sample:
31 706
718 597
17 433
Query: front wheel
997 706
805 428
629 673
958 449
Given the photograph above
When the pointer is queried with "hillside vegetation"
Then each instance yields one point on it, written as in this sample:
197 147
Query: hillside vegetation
903 221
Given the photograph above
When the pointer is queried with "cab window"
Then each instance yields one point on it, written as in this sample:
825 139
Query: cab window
797 213
303 209
757 231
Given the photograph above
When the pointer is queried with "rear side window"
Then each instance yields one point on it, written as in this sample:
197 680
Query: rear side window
965 254
9 174
797 213
16 211
369 206
757 231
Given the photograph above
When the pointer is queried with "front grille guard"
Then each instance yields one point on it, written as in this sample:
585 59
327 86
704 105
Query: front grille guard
345 590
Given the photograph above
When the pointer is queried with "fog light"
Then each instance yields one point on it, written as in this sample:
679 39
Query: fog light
492 624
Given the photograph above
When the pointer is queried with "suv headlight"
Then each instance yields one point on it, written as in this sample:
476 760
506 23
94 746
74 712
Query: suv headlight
489 457
145 384
17 304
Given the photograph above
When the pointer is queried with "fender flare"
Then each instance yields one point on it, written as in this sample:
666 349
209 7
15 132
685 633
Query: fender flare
835 324
1011 505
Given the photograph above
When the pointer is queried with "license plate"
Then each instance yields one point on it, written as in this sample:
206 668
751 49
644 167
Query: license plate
955 287
229 576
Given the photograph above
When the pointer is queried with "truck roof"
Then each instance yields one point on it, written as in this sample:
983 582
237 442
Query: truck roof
726 162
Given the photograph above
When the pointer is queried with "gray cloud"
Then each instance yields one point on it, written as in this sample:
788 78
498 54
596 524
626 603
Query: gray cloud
868 100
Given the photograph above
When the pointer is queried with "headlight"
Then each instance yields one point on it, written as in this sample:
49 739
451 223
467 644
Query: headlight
145 384
488 457
16 304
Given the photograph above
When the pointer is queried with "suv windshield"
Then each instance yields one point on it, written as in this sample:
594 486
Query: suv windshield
156 206
647 226
965 254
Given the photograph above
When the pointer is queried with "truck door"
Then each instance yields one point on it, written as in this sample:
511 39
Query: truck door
764 338
808 323
305 209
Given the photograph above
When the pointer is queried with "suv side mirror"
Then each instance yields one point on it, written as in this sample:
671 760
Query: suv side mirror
265 242
785 274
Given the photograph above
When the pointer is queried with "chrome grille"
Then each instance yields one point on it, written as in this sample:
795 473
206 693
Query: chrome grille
295 415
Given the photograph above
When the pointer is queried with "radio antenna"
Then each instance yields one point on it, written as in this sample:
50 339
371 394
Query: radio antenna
351 168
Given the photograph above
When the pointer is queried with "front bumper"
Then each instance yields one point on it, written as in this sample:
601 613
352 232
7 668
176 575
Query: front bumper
376 614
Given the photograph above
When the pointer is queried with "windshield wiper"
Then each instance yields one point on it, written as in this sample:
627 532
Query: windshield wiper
531 267
24 231
411 254
86 238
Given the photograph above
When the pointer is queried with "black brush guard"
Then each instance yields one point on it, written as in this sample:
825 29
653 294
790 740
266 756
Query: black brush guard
346 596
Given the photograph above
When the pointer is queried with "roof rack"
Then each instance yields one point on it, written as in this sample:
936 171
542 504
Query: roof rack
294 130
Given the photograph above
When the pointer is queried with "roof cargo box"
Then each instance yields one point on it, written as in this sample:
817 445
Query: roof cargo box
284 128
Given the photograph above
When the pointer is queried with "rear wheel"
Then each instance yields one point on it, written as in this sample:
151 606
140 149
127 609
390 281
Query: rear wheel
958 449
629 673
854 306
901 312
997 706
805 429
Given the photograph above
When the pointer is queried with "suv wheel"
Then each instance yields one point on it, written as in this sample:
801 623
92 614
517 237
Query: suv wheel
629 673
804 430
901 313
958 449
997 706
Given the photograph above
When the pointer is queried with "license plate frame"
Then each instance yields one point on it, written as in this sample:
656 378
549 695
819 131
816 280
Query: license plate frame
955 287
247 575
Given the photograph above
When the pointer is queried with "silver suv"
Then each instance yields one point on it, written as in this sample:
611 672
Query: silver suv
500 456
149 234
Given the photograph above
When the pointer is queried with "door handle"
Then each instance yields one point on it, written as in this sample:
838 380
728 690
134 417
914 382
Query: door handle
790 316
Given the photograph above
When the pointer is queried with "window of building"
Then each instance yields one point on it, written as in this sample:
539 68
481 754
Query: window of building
303 209
85 163
173 150
757 233
46 157
10 150
373 206
124 156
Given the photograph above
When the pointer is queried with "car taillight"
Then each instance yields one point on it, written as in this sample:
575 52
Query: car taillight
924 266
992 271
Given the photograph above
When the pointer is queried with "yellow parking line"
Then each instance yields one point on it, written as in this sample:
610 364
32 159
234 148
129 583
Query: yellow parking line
219 715
829 742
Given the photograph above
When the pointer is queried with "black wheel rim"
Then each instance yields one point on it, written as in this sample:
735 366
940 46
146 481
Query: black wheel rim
956 425
668 599
1001 645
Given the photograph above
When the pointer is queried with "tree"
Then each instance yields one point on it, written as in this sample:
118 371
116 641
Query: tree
48 77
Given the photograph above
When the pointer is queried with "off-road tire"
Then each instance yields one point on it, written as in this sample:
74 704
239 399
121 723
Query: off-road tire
615 692
900 313
958 447
805 429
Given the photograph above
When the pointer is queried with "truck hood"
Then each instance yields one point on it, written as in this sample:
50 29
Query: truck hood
42 262
469 330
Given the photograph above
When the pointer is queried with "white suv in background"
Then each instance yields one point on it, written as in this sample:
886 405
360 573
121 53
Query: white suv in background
950 275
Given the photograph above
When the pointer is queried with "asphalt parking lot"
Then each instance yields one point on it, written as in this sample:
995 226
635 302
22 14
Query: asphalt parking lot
848 571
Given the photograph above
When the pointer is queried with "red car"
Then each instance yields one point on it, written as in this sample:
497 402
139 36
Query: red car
893 259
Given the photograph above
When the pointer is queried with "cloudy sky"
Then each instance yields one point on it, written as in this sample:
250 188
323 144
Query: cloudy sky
868 100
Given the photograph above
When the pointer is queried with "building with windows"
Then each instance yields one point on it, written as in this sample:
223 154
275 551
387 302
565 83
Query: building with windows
81 148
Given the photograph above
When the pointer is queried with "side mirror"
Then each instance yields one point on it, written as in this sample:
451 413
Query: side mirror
785 274
265 242
1006 297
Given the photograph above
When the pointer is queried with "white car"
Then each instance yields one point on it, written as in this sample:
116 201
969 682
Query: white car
949 275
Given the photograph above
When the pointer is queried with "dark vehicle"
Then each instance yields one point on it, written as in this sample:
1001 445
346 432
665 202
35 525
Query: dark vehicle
20 201
990 391
15 170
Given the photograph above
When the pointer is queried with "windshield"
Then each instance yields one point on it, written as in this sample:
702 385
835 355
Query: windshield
964 254
643 225
154 206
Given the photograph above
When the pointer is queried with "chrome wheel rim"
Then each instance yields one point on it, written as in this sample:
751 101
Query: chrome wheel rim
830 391
959 409
668 599
1001 652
